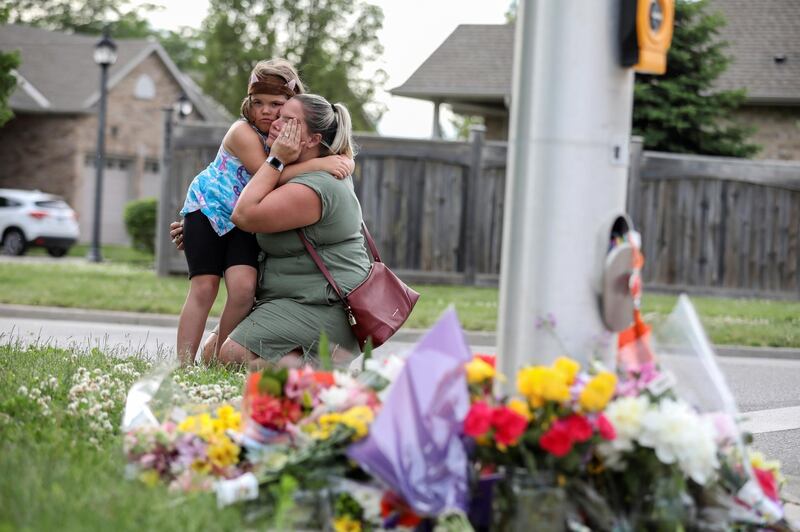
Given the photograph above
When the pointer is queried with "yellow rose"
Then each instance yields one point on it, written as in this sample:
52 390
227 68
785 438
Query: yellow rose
479 370
568 367
598 391
540 383
521 408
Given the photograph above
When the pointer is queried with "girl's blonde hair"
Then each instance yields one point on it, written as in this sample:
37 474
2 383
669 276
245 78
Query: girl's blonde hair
331 121
273 76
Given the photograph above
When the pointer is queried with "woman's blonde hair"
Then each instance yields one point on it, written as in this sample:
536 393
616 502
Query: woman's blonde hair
273 76
331 121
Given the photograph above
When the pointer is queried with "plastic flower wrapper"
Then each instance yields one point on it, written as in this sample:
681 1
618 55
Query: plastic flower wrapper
414 445
153 399
684 351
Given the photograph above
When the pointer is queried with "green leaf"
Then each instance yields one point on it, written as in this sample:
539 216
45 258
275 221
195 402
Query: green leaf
367 353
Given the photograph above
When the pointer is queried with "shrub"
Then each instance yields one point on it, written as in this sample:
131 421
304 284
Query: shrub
140 222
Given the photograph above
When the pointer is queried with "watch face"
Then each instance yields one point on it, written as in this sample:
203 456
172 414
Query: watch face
275 163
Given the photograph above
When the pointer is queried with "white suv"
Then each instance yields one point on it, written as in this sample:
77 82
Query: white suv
34 218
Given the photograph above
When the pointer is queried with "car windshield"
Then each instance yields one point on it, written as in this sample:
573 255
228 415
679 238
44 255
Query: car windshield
52 204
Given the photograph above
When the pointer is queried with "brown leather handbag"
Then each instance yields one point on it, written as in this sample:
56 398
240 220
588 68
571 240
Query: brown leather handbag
378 306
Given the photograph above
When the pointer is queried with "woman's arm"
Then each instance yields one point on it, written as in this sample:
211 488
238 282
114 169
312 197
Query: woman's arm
338 166
246 145
264 208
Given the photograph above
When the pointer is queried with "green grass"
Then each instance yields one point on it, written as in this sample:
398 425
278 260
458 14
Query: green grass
53 478
111 253
131 287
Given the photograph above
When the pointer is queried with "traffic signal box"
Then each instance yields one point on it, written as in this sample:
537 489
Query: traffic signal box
645 34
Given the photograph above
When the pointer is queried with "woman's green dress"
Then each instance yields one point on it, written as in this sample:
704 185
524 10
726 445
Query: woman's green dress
294 302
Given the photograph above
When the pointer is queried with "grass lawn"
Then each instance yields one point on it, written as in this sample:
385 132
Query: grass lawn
130 285
62 468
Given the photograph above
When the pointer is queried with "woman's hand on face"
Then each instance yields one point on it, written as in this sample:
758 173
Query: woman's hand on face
286 146
339 166
176 233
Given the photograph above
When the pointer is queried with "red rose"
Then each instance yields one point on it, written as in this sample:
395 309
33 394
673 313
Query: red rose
768 483
291 411
508 425
395 510
266 410
579 427
605 428
557 440
478 420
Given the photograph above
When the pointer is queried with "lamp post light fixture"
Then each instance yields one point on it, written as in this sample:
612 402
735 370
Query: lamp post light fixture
105 54
183 106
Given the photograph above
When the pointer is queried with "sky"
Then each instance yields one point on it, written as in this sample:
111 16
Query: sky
412 30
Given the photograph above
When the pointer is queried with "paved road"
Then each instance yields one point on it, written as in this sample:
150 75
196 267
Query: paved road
765 389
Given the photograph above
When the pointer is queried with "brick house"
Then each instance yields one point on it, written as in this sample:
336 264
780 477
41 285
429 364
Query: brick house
471 71
51 141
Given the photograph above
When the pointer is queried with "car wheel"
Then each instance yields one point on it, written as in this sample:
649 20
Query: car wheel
14 243
57 252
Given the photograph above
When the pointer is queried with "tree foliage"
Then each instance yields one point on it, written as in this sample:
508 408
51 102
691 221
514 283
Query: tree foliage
680 111
330 41
84 16
8 62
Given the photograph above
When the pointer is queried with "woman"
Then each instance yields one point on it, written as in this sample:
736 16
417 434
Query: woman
294 302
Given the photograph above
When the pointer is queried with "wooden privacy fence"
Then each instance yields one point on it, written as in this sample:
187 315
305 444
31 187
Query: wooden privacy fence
435 208
717 225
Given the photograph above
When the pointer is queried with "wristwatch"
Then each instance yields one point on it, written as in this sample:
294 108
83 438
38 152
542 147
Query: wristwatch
275 163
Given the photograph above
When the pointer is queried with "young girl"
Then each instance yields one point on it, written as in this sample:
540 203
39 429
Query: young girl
214 247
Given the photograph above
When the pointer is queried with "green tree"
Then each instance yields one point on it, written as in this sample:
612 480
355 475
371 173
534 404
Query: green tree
680 111
330 41
85 16
8 62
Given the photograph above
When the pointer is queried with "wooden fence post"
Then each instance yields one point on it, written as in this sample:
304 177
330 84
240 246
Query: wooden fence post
477 136
163 218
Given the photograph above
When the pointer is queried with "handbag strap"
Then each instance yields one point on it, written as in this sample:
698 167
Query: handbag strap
321 265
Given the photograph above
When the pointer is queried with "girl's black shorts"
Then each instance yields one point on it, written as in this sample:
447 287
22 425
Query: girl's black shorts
207 253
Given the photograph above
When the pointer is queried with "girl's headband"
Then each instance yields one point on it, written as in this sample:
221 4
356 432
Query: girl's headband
271 84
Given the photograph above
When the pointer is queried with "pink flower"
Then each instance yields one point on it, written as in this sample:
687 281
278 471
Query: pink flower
478 420
605 428
768 483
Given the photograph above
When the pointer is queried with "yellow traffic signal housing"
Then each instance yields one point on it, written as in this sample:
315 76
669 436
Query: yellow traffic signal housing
646 34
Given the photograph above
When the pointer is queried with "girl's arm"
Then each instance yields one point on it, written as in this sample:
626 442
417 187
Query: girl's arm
339 166
264 208
244 143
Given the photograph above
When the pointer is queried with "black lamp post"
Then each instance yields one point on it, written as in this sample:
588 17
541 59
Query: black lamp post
105 54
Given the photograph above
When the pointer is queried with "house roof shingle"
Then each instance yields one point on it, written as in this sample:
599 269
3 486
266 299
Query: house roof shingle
58 72
756 33
475 61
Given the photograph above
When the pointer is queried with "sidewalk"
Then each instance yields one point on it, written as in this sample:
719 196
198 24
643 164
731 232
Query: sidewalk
478 338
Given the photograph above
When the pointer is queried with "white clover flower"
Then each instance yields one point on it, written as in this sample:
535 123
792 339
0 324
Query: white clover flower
22 391
53 382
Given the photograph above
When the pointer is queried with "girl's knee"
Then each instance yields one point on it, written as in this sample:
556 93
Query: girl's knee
204 287
241 293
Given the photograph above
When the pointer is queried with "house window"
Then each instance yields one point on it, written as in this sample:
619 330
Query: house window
145 89
151 166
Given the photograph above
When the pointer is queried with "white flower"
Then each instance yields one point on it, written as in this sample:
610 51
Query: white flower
23 391
678 434
335 397
625 414
388 367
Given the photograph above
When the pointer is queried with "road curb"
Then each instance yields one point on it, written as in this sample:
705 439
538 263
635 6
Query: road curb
474 338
